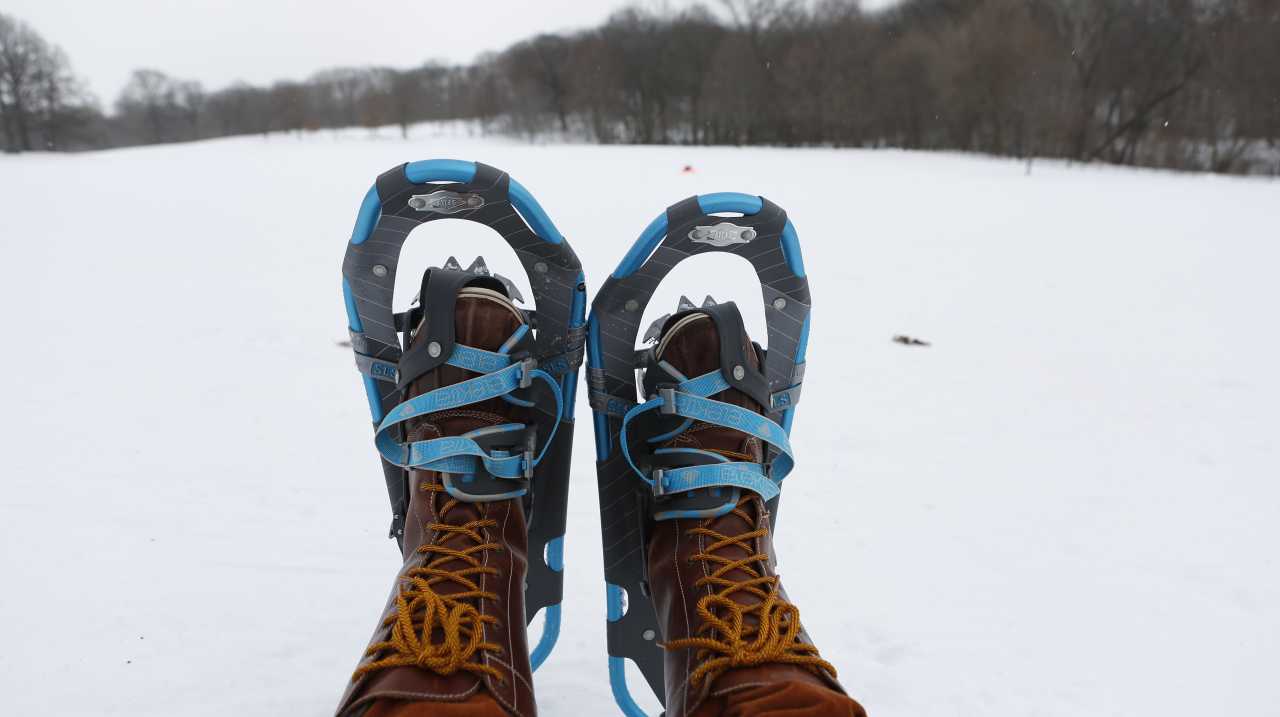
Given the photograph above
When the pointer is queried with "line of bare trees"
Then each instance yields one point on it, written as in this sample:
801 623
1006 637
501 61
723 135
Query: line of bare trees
1172 83
1192 84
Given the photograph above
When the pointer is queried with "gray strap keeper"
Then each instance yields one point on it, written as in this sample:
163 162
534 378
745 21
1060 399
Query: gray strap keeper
377 369
784 399
358 341
603 402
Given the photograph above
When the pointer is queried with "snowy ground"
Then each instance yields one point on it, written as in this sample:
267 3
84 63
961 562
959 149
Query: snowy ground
1068 505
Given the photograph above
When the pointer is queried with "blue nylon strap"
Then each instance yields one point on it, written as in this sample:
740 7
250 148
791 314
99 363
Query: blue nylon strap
478 360
622 433
467 357
688 400
466 392
708 384
460 454
506 348
738 474
555 391
672 433
737 418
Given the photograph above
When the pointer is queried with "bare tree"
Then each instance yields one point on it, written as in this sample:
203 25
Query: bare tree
338 93
159 108
540 73
22 53
289 107
42 103
239 109
408 96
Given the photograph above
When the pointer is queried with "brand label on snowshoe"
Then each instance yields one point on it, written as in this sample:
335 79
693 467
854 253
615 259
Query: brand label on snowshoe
722 235
445 202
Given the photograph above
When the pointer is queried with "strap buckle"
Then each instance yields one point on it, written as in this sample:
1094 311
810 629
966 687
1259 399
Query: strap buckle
527 367
377 368
659 482
785 399
668 396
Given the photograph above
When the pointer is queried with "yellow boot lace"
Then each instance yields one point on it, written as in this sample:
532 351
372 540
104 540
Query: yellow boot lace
726 635
441 633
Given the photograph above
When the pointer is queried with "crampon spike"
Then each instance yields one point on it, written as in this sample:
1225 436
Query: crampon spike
655 329
512 289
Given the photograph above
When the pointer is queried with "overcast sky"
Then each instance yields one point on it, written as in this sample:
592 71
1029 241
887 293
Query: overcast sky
260 41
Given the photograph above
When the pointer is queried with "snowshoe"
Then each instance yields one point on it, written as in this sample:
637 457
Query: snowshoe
537 368
645 477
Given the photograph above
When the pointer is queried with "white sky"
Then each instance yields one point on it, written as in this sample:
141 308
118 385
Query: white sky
260 41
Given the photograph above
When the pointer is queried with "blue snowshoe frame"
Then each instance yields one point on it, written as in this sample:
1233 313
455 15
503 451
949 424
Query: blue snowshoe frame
416 193
759 232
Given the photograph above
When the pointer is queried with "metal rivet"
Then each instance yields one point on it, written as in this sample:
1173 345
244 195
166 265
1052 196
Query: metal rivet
474 201
433 348
631 305
540 267
748 234
649 635
779 303
418 203
379 270
739 372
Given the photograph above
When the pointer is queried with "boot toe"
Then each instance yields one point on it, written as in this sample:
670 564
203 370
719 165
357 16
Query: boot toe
787 699
477 705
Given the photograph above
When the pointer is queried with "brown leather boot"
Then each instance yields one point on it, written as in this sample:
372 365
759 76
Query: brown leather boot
452 639
734 644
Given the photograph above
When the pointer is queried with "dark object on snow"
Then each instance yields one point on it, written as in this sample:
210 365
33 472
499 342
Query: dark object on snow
688 169
909 341
343 344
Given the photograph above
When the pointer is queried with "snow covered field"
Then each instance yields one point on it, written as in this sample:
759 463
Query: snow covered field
1068 505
